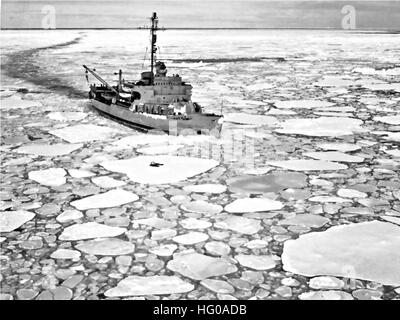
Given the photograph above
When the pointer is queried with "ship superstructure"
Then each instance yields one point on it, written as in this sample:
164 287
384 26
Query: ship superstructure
156 101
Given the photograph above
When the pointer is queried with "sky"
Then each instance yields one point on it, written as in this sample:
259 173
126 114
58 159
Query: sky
199 13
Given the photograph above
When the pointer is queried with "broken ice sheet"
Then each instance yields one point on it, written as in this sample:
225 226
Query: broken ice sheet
11 220
89 230
80 173
273 182
253 205
245 118
109 199
16 102
198 266
393 152
382 72
49 150
322 127
334 156
149 285
393 120
342 147
166 169
367 250
302 104
84 133
52 177
67 116
383 87
308 165
164 149
158 141
335 81
259 86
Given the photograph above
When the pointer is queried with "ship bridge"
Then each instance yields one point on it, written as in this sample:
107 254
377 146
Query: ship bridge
161 89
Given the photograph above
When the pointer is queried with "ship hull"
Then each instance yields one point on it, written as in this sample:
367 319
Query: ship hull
198 123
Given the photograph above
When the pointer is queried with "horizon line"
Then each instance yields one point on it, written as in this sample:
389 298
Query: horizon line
212 28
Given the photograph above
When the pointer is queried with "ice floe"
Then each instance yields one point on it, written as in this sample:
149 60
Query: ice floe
257 171
245 118
259 86
150 285
78 173
253 205
217 248
206 188
199 267
17 162
280 112
69 215
153 150
307 165
395 220
367 251
326 295
52 177
156 223
273 182
190 238
302 104
83 133
333 114
326 199
342 147
393 120
201 206
66 254
106 247
336 156
49 150
166 169
256 244
158 141
217 286
67 116
89 230
11 220
351 193
306 220
382 86
239 224
394 152
107 182
335 81
192 223
326 283
16 102
165 250
141 139
380 72
257 262
163 234
109 199
393 136
321 127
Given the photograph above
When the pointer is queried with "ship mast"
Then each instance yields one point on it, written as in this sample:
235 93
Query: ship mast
153 37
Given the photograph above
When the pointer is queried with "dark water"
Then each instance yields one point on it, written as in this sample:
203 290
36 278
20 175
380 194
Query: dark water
26 65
